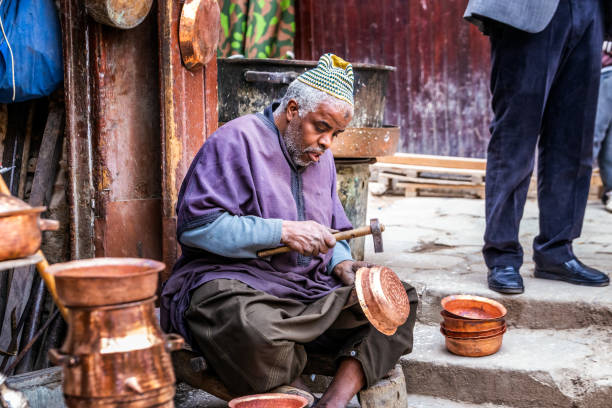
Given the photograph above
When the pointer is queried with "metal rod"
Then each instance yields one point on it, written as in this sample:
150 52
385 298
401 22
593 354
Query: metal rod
28 346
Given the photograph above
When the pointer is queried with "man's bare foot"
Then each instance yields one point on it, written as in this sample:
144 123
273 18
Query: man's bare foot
299 383
347 382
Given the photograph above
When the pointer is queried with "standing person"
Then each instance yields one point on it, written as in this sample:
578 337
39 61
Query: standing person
602 146
545 63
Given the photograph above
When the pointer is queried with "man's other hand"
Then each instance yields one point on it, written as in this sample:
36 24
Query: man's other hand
307 237
345 270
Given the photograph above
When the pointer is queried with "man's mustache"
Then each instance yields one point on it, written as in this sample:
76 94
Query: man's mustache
318 150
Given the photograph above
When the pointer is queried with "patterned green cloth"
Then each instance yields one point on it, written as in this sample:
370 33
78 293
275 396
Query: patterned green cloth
257 28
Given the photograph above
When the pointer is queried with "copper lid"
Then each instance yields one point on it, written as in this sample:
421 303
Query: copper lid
382 297
10 205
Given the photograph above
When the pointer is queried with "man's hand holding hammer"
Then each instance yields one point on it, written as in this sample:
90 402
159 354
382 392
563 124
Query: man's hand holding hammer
311 238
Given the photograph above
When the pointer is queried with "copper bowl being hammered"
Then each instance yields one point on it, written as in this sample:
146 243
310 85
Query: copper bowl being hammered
382 298
473 307
269 401
470 325
105 281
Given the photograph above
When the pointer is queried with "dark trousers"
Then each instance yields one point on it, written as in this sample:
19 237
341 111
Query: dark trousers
544 88
256 342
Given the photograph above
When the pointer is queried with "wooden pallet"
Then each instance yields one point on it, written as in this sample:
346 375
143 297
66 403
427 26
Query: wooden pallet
423 175
421 180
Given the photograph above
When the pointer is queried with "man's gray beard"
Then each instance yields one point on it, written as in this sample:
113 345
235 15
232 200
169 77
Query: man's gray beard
292 138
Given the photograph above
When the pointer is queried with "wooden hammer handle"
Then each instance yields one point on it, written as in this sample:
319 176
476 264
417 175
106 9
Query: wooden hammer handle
340 236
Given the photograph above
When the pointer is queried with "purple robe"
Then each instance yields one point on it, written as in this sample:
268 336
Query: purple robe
244 169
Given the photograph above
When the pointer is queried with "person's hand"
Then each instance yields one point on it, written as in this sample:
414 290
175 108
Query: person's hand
345 270
307 237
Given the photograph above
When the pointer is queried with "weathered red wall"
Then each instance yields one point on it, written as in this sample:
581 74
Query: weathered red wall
439 94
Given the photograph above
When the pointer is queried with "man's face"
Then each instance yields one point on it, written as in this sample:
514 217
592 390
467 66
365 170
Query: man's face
308 137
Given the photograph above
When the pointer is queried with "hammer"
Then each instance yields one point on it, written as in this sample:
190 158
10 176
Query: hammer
375 228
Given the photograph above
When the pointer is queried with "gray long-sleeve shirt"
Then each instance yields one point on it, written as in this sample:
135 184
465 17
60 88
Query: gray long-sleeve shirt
243 236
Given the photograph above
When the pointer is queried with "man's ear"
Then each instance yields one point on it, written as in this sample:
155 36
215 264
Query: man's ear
292 110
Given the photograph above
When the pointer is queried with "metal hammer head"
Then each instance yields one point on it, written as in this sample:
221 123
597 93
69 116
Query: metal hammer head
377 229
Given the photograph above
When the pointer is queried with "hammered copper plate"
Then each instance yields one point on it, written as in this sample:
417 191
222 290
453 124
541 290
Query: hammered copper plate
382 298
473 307
272 400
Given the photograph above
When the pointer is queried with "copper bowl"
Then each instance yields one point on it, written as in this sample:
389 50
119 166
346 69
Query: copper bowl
382 298
470 325
105 281
475 347
473 307
269 401
471 335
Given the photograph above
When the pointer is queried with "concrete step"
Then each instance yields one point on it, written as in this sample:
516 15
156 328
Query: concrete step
534 368
435 244
426 401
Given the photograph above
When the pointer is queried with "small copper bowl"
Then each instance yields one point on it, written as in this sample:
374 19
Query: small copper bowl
269 401
473 307
475 347
470 325
382 298
471 335
105 281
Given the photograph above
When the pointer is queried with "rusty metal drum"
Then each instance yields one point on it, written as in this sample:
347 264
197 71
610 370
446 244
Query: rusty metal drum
249 85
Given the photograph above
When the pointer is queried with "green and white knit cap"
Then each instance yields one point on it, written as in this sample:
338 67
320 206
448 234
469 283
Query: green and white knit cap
333 75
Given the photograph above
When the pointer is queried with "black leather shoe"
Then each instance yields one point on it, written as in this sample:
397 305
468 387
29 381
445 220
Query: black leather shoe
573 271
505 279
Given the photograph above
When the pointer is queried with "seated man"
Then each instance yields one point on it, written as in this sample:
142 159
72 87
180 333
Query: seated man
260 181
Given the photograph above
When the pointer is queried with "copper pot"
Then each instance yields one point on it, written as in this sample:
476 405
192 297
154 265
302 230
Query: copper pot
116 356
20 228
105 281
473 307
470 325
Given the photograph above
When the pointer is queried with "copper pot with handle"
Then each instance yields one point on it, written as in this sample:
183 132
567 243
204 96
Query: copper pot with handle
117 355
20 228
114 355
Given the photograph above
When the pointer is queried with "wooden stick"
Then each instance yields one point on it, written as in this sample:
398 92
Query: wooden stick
340 236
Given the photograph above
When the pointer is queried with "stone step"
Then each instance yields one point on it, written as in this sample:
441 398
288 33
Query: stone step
534 368
435 244
426 401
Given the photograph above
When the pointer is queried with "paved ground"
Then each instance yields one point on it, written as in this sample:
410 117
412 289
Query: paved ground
557 352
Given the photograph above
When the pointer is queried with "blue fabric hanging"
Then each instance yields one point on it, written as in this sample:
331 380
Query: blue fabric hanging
34 37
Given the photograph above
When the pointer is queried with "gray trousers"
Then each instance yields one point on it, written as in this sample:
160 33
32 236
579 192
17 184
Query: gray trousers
602 144
256 342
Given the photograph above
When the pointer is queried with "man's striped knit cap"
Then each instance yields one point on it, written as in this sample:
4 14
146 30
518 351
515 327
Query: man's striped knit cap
332 75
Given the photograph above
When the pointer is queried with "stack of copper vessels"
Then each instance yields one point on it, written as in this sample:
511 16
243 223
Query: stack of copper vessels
473 326
115 354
